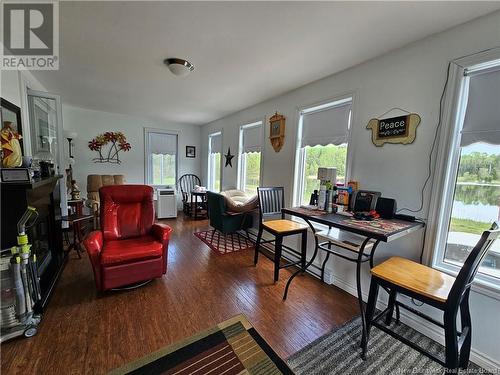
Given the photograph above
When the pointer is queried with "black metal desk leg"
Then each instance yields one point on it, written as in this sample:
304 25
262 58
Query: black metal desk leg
389 316
325 262
360 291
370 311
308 263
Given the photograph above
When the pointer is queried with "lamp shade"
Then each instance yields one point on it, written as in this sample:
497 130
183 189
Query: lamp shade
70 135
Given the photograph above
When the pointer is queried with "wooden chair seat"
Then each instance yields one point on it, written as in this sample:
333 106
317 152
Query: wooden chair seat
416 277
284 226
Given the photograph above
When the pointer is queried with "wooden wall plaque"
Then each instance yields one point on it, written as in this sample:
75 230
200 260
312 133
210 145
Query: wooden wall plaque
277 131
399 129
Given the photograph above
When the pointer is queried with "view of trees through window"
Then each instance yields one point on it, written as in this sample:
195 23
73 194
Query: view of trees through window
214 171
476 204
322 156
163 169
251 170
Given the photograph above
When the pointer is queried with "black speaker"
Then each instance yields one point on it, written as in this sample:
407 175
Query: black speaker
386 207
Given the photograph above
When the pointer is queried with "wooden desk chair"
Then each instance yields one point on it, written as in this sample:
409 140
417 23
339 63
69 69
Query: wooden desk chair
271 201
437 289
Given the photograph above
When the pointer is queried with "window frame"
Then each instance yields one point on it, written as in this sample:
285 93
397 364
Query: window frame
241 177
209 159
148 161
447 165
298 181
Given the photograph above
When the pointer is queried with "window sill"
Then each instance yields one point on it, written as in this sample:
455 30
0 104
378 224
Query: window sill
479 285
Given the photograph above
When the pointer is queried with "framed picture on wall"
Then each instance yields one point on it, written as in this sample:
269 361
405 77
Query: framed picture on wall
190 151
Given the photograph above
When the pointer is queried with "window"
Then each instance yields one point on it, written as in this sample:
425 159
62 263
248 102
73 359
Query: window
323 134
214 161
161 158
250 157
471 201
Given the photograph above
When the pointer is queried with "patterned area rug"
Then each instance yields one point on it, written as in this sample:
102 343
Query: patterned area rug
338 352
225 244
230 348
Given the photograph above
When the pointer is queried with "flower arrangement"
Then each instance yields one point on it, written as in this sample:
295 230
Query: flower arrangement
118 143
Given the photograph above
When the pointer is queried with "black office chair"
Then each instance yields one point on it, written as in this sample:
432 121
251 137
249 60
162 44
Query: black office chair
271 201
436 289
186 185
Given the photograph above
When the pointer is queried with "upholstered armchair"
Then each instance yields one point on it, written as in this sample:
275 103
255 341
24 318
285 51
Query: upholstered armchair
97 181
129 248
223 220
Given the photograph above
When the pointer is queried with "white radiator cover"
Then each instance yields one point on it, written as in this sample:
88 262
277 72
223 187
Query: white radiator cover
166 203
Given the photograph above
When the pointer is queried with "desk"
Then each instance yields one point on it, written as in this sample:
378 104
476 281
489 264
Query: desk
198 205
372 231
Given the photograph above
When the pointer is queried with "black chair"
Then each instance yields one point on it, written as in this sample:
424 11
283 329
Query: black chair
186 185
224 221
437 289
271 201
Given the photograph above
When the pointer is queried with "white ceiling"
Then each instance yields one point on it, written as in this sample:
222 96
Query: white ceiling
244 52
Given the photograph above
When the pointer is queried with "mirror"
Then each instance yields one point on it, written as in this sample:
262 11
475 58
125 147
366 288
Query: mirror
43 124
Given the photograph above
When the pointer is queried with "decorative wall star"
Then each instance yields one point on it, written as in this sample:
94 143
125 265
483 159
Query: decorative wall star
229 158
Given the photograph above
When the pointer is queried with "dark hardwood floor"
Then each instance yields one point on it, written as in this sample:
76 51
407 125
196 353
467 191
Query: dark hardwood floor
86 332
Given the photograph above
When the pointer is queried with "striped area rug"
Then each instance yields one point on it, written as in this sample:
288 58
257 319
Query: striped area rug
225 244
338 352
231 348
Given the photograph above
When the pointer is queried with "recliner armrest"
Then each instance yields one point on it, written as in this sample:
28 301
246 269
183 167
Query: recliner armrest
93 242
161 232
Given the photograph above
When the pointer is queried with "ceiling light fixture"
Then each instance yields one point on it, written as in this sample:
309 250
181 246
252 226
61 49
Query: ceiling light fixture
179 67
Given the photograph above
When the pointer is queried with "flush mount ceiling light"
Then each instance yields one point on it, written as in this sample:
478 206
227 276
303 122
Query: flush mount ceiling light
179 67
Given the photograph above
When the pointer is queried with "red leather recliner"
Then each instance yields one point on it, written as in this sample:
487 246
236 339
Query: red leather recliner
129 248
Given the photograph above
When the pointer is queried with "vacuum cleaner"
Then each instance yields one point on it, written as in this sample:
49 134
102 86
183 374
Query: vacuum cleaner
20 284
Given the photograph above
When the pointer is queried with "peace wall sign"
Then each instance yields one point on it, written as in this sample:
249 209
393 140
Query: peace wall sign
400 129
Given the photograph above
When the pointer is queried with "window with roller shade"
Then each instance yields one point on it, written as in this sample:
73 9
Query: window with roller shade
322 141
214 161
161 154
474 203
250 157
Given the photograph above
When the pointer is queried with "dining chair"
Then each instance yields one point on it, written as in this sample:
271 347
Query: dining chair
435 288
271 201
186 185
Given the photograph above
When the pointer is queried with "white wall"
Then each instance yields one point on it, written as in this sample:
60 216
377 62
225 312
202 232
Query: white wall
411 78
88 123
9 84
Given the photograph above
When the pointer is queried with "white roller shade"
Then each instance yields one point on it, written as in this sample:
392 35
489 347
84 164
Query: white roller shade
161 143
482 117
327 126
252 139
216 144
